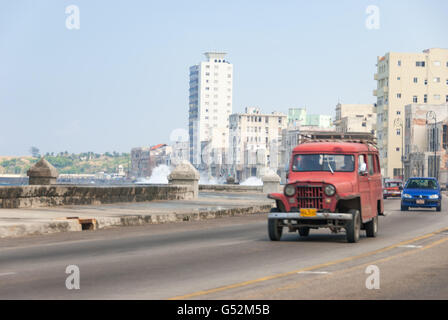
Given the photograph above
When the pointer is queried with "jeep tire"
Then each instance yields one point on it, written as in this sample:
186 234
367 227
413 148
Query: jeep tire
404 208
274 229
372 227
353 228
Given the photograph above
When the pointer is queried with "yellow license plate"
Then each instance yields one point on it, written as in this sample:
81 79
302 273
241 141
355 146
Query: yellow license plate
308 212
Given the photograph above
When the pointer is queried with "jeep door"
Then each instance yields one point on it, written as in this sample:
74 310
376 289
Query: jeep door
364 188
374 183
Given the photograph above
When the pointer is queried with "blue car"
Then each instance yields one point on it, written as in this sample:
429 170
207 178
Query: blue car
421 193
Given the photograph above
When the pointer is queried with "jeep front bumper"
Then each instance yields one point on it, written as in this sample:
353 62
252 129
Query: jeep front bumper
294 220
319 215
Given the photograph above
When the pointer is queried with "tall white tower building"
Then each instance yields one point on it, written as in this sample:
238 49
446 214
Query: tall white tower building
210 102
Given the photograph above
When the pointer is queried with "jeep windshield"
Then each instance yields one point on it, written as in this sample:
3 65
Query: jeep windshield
422 184
323 162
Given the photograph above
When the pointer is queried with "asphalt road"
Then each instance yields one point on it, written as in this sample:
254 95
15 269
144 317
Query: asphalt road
232 258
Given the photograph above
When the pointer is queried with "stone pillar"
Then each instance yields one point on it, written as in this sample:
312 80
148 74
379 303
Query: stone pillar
271 182
185 174
42 172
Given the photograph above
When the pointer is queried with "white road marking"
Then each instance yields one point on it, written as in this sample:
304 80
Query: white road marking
410 246
7 274
314 272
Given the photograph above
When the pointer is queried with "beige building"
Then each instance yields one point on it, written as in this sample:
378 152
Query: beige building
254 140
402 79
423 143
355 118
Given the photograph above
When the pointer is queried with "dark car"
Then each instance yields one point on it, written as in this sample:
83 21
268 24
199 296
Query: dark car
421 193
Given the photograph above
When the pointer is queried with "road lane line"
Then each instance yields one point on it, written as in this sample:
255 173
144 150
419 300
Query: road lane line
311 268
313 272
7 274
410 246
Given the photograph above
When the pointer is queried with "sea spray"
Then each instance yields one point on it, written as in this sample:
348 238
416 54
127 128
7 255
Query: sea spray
159 175
252 181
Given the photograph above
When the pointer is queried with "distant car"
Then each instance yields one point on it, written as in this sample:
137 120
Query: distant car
421 193
392 188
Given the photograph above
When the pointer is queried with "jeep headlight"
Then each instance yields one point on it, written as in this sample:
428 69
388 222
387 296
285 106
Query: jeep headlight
290 190
406 195
330 190
434 196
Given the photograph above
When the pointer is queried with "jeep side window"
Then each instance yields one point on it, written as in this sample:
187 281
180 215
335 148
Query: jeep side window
362 166
377 162
370 164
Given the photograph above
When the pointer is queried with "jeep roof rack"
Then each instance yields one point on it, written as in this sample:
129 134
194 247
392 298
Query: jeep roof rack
325 136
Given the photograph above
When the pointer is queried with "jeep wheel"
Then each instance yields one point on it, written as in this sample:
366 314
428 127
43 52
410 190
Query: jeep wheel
439 207
274 229
304 231
354 226
404 208
372 227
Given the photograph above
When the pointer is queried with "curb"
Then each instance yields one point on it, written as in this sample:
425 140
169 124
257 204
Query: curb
96 223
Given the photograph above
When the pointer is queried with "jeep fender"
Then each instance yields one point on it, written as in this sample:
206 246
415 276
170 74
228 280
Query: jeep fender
349 201
281 201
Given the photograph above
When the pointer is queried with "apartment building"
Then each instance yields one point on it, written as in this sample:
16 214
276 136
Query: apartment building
210 105
402 79
426 141
298 117
254 140
355 118
318 120
145 159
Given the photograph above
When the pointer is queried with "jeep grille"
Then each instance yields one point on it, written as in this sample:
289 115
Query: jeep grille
310 196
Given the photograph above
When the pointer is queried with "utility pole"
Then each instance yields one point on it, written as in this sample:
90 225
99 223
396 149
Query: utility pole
398 123
431 115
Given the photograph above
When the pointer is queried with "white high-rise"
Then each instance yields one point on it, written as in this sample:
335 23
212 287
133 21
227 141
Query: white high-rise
210 101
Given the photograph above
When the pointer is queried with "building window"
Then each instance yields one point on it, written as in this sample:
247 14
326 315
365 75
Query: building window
425 98
426 82
437 63
420 64
446 98
399 95
398 132
399 63
437 79
397 149
437 97
445 136
415 80
398 112
398 78
414 99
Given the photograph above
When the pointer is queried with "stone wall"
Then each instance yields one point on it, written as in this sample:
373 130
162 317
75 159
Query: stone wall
229 188
59 195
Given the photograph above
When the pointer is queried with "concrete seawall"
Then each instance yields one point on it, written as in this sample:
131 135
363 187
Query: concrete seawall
60 195
229 188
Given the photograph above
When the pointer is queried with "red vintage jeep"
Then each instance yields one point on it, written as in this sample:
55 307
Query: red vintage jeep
334 185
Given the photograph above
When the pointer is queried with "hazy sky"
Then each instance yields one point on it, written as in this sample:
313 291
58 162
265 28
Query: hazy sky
121 80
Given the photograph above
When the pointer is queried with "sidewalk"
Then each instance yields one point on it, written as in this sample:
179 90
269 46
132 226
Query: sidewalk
32 221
